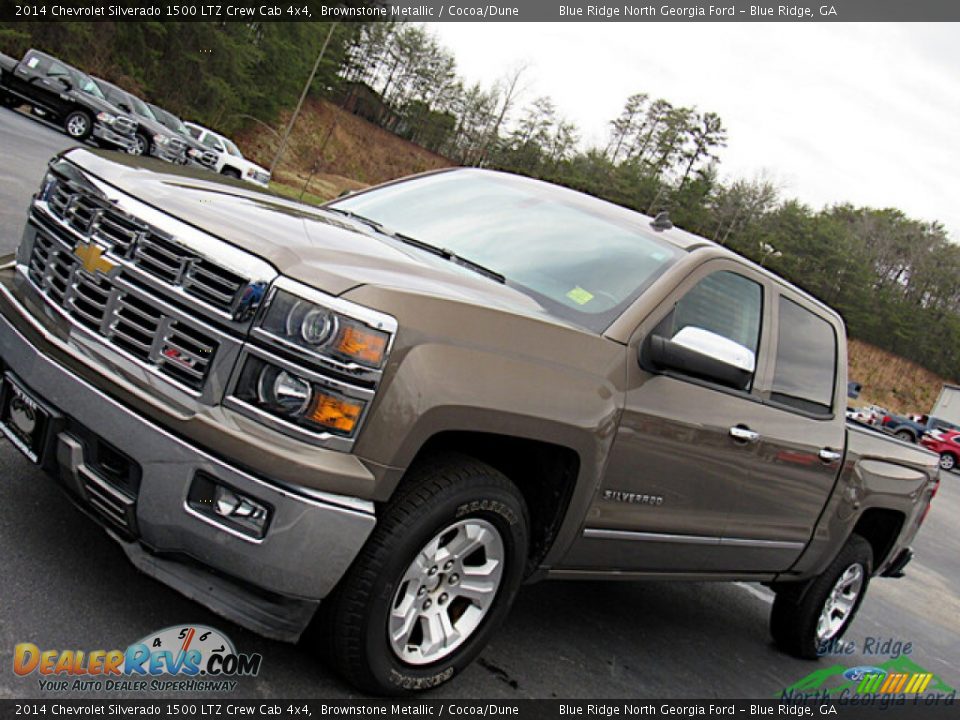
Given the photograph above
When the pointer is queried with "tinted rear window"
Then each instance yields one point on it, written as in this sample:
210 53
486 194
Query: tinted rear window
806 369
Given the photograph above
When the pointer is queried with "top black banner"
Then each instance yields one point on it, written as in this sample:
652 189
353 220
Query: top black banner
481 11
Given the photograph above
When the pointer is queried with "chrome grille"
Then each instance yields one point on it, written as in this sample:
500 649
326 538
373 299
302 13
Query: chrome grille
125 125
146 248
209 158
133 324
178 146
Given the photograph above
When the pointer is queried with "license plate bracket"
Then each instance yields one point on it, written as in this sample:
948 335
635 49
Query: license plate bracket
25 420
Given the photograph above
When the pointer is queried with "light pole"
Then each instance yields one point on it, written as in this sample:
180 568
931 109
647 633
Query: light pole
303 95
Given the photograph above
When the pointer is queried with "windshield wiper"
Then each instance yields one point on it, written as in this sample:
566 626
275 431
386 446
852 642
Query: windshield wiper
425 246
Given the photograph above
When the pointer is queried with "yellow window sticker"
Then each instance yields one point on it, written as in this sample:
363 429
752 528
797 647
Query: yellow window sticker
580 296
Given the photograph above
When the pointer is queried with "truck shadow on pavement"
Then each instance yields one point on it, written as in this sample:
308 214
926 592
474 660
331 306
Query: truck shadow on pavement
70 586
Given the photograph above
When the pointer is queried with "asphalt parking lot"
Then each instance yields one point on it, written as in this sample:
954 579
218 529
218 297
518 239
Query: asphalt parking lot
65 584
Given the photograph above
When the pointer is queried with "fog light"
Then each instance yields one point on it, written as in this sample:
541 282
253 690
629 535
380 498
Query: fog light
227 506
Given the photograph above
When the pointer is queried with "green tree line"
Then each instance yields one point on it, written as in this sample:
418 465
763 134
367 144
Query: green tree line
895 279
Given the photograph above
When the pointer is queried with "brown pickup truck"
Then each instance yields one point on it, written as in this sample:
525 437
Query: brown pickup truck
398 407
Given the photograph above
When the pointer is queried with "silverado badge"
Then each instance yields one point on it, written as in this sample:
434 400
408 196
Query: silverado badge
635 498
91 257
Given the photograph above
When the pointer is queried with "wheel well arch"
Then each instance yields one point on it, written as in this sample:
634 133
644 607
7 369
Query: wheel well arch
881 528
545 473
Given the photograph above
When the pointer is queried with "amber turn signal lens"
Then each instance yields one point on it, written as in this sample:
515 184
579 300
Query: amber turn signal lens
362 344
334 412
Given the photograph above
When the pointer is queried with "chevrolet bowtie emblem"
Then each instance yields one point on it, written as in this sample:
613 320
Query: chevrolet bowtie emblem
91 257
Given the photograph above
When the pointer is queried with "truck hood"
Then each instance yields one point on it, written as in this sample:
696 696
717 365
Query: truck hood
316 247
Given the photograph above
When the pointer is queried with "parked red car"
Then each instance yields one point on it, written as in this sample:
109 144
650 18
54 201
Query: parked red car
945 443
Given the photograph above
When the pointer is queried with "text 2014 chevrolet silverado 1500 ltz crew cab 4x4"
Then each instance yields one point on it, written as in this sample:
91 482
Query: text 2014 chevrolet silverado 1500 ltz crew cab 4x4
391 411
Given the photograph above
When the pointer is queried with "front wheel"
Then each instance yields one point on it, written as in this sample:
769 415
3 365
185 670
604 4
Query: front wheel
804 622
948 461
231 172
78 125
435 579
141 145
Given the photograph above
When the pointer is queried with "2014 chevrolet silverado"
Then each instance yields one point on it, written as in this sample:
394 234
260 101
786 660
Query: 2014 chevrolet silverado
407 402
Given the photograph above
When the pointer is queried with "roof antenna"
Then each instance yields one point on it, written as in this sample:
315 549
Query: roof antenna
662 221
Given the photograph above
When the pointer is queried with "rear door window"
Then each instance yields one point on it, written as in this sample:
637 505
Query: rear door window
805 373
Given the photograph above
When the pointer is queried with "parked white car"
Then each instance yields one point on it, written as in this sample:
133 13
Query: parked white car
230 161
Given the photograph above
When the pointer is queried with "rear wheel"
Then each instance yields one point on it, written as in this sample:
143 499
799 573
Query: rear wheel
434 581
948 461
805 620
905 435
78 125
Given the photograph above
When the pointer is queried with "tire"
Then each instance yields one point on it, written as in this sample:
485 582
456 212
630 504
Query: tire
141 146
8 101
948 461
231 172
78 125
448 508
795 621
905 435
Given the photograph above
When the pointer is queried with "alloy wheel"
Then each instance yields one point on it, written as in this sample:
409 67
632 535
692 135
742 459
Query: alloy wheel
840 603
446 592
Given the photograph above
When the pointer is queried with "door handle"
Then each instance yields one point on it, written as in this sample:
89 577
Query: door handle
744 434
830 456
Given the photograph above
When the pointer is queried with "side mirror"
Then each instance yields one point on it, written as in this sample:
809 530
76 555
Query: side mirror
701 353
67 85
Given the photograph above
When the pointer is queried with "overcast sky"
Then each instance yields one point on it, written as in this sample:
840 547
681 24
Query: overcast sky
865 113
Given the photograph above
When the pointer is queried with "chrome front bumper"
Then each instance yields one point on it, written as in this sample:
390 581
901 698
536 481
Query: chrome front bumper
105 134
309 543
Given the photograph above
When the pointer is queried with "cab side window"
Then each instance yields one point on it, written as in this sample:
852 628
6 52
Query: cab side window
56 70
211 142
804 376
723 303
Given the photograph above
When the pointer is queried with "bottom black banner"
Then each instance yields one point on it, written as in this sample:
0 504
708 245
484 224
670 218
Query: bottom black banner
859 707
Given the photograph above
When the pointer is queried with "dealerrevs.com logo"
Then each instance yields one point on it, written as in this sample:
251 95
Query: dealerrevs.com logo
189 658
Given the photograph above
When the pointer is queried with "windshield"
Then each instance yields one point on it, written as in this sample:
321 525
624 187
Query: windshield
581 258
90 87
231 148
170 121
140 107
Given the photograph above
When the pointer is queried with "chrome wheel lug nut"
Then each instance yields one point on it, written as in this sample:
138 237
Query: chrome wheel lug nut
422 591
433 571
453 579
427 603
443 599
448 564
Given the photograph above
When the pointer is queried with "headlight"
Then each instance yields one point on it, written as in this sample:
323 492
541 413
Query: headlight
323 332
106 118
193 152
297 400
161 139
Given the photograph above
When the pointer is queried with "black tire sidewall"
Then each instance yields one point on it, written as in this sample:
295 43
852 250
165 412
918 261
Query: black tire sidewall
146 145
506 512
805 614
